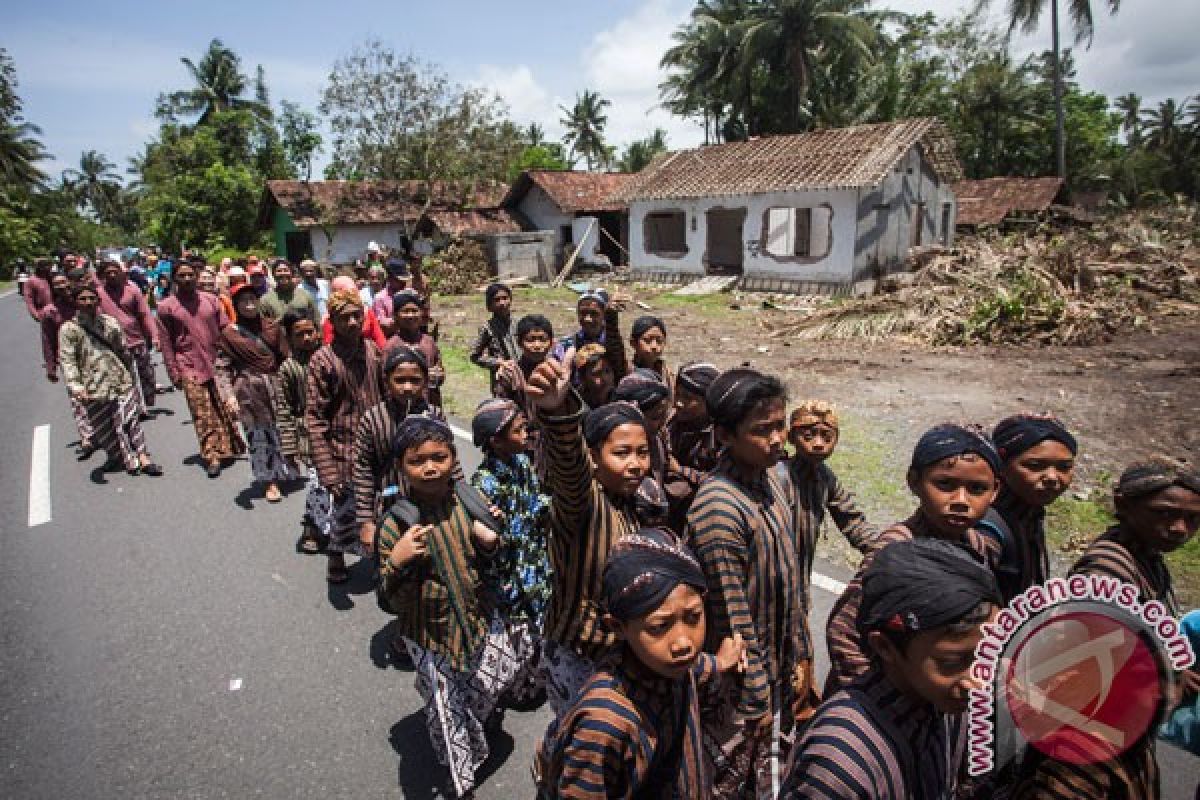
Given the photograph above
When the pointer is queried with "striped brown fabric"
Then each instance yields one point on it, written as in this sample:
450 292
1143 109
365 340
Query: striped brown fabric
818 491
584 524
1132 776
741 528
289 413
848 657
1111 554
342 383
375 469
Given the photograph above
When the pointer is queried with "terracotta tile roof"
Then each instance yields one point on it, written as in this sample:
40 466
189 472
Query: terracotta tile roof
369 202
989 201
835 158
474 222
572 192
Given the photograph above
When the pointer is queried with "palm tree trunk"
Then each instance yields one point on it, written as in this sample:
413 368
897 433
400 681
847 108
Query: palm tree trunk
1060 134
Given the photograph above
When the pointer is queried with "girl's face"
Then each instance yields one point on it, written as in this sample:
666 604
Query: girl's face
406 383
304 336
591 318
689 406
758 441
428 469
955 493
648 348
535 345
86 302
1041 474
670 638
408 318
1164 521
246 305
513 440
622 460
814 442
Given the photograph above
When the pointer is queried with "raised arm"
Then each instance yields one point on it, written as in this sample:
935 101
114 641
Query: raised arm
844 511
568 469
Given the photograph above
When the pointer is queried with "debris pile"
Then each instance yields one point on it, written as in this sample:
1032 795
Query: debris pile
459 268
1048 287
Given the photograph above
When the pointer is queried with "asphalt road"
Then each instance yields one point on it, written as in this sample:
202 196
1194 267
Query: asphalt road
162 638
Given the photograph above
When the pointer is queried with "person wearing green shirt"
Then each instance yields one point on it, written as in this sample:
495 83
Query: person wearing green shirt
286 296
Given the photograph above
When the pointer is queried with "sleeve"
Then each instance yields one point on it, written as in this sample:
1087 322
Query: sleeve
145 319
568 468
224 373
598 761
614 345
850 519
68 351
49 325
31 301
715 526
318 405
480 356
391 578
167 346
286 408
366 471
381 305
823 770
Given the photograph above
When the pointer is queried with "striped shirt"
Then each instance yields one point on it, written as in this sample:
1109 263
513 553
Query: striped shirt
343 382
848 658
440 600
630 734
870 741
1025 560
818 491
1131 776
584 524
289 412
1110 554
740 527
375 469
495 342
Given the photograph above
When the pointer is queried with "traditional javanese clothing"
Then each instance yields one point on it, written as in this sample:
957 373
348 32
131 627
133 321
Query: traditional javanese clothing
51 320
247 365
818 491
427 347
694 445
96 362
511 386
741 527
293 435
376 472
189 329
128 306
465 656
344 381
37 295
370 330
631 735
495 342
1025 528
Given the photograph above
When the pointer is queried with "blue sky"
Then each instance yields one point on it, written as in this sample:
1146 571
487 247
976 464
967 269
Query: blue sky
90 71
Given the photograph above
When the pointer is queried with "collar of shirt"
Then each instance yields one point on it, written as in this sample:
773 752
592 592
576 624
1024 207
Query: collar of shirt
909 714
752 480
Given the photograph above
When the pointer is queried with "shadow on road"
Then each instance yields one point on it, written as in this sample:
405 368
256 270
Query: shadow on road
419 773
362 581
381 652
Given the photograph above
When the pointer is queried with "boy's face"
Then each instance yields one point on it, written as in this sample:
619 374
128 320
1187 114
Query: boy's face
502 304
670 638
955 493
813 442
284 279
758 440
185 278
591 318
304 336
246 305
1163 521
207 282
406 383
428 469
535 344
408 318
935 666
689 406
513 440
648 348
622 460
61 287
1041 474
376 280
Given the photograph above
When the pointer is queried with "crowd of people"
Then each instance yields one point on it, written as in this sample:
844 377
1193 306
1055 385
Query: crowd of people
636 547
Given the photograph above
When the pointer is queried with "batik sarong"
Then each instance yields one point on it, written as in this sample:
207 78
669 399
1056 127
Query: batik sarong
565 673
216 431
117 429
267 462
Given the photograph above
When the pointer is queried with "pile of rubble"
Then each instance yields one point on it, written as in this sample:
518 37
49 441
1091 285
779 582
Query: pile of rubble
1047 287
459 268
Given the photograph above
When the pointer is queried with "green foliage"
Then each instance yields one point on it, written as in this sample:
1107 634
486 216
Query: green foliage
301 142
539 156
640 153
585 123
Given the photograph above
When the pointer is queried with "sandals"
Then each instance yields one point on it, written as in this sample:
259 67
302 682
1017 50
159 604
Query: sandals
272 494
309 543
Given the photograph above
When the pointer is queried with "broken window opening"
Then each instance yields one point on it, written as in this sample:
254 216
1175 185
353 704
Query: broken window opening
802 232
665 233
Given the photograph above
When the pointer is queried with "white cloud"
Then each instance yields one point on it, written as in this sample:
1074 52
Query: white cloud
527 99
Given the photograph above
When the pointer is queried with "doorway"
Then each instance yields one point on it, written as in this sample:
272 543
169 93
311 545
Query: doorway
725 252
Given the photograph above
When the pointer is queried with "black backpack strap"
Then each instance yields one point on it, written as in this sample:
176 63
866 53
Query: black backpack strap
1009 568
477 506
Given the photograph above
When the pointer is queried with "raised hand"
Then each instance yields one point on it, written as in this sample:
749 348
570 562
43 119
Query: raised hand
410 546
732 654
549 385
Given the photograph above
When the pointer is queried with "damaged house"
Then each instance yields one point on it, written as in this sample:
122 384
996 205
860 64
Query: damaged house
810 212
576 207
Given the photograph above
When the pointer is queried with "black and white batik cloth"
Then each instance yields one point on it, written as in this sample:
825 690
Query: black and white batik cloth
458 704
267 462
318 504
565 673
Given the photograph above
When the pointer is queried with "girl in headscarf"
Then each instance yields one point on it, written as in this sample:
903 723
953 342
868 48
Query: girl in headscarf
98 368
249 354
1038 455
432 558
635 731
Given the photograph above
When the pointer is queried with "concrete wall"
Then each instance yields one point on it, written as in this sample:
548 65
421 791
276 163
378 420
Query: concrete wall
531 255
350 241
545 215
835 267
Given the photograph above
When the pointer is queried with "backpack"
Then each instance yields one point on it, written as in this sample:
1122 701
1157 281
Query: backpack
474 503
1009 567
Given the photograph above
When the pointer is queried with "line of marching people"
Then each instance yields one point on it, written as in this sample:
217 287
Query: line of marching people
636 547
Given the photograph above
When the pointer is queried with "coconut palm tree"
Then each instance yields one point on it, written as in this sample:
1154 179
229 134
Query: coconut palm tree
701 65
1026 15
20 150
94 184
1165 126
219 86
585 129
1130 107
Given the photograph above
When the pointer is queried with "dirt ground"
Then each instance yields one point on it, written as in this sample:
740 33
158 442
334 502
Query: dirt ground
1129 399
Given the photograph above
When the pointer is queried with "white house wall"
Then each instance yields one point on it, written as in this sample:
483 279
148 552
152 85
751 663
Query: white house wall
545 215
835 267
350 242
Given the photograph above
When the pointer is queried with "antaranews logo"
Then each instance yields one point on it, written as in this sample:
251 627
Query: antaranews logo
1077 667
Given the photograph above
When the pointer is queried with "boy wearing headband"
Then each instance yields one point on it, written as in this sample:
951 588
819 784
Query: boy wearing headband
408 329
895 731
635 729
303 340
690 430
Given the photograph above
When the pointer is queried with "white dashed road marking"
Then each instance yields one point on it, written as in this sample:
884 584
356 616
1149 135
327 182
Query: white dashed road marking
39 477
